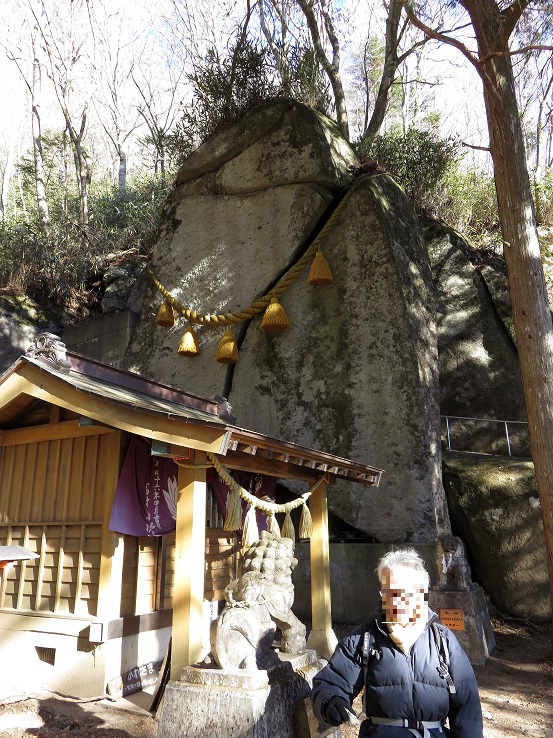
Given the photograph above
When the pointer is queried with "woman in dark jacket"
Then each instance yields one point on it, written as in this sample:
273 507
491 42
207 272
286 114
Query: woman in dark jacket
415 673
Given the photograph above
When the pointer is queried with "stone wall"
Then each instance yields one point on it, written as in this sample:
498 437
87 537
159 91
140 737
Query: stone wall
354 586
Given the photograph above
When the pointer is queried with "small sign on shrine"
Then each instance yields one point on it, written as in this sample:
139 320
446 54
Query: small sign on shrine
453 619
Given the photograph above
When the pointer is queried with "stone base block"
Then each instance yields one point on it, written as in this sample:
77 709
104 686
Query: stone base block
465 612
237 703
307 725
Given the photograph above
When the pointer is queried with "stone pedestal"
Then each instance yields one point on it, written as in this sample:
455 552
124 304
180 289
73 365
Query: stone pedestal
465 612
237 703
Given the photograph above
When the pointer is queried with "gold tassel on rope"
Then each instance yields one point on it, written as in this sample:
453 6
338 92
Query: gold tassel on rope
275 319
227 351
166 315
272 524
233 518
250 534
306 523
287 530
320 274
189 343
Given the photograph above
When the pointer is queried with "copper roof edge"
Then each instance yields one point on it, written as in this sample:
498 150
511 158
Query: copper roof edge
131 380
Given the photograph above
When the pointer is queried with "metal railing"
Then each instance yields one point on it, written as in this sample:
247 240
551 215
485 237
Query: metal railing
504 423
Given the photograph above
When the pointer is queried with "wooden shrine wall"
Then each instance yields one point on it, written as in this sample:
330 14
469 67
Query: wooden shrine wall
53 502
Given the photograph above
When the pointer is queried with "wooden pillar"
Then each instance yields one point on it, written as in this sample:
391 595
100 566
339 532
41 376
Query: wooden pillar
188 593
322 638
111 561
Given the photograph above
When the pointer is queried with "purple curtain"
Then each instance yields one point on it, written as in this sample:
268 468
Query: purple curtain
145 502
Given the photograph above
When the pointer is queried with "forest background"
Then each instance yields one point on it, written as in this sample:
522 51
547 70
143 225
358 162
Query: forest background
103 100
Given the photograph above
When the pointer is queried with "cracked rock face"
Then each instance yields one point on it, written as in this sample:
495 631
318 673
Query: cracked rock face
356 374
244 204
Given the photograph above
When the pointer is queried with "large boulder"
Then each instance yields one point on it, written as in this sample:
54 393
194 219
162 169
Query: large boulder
495 508
243 206
357 373
478 361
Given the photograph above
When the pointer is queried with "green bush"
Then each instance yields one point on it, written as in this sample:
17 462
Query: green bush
431 172
468 202
418 160
127 220
57 265
225 88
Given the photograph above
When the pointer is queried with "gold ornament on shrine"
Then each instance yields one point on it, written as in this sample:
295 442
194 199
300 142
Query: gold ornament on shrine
320 274
165 315
275 319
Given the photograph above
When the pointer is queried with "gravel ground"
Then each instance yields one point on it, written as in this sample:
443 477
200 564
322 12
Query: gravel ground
516 687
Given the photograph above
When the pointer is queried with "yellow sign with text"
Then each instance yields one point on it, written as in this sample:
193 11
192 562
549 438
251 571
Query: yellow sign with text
454 619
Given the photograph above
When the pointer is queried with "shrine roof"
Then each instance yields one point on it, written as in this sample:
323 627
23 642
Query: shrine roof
174 419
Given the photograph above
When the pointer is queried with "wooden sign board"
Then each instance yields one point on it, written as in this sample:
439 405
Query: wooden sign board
134 680
453 619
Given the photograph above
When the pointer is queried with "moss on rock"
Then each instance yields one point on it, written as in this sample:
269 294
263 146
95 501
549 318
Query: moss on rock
494 506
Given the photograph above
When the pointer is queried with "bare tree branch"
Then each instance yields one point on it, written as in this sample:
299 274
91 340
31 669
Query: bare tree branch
331 67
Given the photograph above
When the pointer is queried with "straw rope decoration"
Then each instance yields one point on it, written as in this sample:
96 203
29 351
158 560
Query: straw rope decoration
275 319
233 520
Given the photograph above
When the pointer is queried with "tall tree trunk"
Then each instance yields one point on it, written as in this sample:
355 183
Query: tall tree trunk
82 180
6 179
42 203
331 67
122 173
161 155
388 73
531 313
537 172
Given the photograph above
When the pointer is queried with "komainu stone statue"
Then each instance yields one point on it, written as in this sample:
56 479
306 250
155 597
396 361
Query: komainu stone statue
452 564
258 603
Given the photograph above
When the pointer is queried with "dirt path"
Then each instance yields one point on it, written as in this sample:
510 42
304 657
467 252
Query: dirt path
516 687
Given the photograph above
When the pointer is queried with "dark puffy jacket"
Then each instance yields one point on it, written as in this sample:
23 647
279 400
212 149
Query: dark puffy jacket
406 686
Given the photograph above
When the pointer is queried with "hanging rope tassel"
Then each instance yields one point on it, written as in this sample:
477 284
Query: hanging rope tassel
288 528
250 534
227 351
272 525
320 274
165 315
275 319
306 523
233 518
189 343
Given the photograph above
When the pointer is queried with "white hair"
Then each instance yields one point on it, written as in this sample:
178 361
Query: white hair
406 558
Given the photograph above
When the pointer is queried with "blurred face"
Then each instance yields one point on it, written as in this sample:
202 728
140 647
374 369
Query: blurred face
403 596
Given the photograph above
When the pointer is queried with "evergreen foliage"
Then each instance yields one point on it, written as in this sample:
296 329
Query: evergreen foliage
227 86
418 159
431 172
